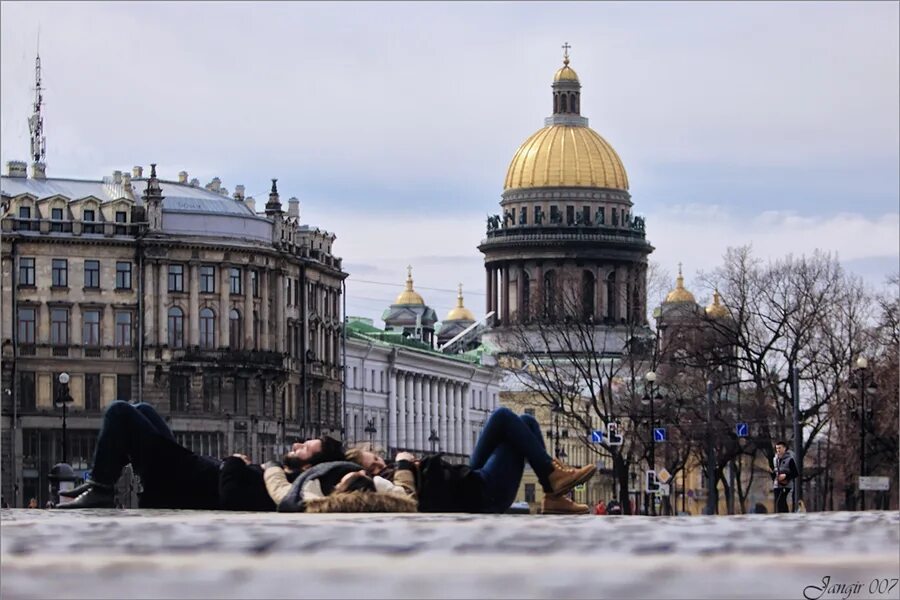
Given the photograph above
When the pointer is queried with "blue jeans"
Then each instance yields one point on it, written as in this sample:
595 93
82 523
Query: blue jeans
505 443
172 475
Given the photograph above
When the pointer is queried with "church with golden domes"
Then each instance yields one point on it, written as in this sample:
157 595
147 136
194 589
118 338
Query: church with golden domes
566 239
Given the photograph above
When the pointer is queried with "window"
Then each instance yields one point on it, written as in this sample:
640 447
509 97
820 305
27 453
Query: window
235 280
179 386
123 329
123 275
121 217
554 214
235 331
586 214
27 325
26 271
176 278
24 212
59 326
89 217
176 327
240 395
208 279
60 273
207 328
529 493
601 216
56 214
90 328
570 215
26 390
123 387
254 282
92 274
212 389
92 391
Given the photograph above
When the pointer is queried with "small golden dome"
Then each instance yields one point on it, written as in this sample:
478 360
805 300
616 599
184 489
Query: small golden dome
716 310
566 156
679 294
460 312
409 295
565 73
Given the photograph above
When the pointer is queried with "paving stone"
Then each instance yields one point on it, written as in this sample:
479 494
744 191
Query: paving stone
196 554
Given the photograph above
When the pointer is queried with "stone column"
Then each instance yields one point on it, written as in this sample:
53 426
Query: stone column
401 410
538 300
425 427
464 422
248 310
451 419
433 422
442 413
150 312
264 342
410 411
224 290
279 313
504 281
392 411
600 292
75 328
487 289
418 404
622 285
193 315
492 292
520 294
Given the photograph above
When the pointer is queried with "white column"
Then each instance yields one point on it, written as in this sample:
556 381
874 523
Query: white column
264 341
418 404
464 422
401 410
279 314
451 418
426 412
150 312
410 415
460 404
433 421
247 313
391 423
442 413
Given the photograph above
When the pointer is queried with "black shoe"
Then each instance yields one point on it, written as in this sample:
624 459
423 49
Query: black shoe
94 497
77 491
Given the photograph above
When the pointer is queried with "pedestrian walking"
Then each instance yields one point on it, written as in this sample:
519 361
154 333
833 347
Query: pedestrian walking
784 473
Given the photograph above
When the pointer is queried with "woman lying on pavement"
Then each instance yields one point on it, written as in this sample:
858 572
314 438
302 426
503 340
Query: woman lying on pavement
338 486
491 481
172 476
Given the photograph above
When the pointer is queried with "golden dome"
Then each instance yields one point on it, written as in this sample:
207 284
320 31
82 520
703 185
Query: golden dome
409 295
460 312
679 294
565 73
566 156
716 310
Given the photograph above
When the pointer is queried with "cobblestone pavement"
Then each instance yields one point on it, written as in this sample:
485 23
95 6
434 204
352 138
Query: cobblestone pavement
187 554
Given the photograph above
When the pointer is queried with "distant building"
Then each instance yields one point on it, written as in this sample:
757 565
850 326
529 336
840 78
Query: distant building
403 394
168 292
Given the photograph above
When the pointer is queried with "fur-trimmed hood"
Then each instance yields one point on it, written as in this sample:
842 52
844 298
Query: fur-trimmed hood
360 501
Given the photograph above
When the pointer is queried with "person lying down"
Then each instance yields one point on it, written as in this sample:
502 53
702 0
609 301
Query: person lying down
338 486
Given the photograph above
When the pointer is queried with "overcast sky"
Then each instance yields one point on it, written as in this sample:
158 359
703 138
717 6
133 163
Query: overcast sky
767 123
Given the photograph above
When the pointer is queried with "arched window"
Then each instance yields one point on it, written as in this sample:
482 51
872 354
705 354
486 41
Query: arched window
587 294
611 296
575 102
555 103
207 328
176 327
525 303
565 105
235 331
550 298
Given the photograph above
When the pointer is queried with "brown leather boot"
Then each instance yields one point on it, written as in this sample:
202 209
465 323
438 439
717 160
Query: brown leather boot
563 477
561 505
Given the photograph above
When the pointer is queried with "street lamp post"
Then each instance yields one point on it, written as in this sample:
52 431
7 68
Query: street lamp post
651 395
371 430
710 453
434 439
62 401
863 415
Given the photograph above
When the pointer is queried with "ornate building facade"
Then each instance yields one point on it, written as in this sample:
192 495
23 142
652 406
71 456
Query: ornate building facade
162 291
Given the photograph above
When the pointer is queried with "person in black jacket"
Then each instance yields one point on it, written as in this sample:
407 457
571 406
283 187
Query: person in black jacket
783 476
172 476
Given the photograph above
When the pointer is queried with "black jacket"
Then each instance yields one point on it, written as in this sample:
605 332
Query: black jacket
241 487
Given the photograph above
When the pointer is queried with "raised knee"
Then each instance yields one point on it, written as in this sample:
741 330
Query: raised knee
530 420
118 407
502 410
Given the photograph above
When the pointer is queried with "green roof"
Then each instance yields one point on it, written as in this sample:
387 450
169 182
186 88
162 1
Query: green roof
361 330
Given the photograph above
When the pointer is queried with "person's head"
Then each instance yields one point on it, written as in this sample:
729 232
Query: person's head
780 447
355 481
303 455
32 503
369 461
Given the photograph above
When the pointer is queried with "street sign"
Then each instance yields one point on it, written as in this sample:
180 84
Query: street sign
659 434
742 429
652 482
597 436
881 484
663 490
614 438
663 475
86 475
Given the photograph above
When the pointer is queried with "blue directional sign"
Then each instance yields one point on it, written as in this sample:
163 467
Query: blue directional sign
659 434
597 436
742 430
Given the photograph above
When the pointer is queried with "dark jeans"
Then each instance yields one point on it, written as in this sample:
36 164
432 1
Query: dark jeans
781 499
172 476
505 443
